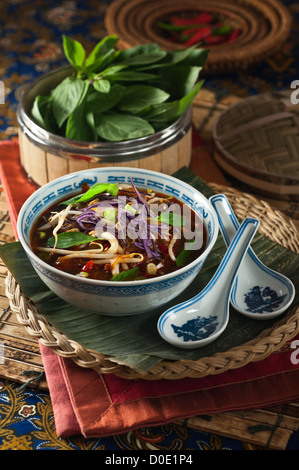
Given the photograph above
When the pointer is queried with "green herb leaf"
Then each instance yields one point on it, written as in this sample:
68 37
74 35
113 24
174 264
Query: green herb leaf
171 218
116 127
131 76
142 54
98 103
102 86
42 114
77 126
129 275
110 71
74 52
68 239
66 97
37 111
184 256
137 97
167 112
179 80
92 192
103 47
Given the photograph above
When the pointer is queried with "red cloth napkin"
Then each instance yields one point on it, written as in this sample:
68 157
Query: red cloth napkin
96 405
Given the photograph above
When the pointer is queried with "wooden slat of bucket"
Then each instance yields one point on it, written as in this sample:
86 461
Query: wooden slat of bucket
77 165
33 160
185 150
153 162
56 166
170 160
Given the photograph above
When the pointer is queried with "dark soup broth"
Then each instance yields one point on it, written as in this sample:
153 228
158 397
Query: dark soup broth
119 232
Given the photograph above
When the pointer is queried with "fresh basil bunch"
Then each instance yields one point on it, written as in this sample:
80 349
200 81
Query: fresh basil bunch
115 95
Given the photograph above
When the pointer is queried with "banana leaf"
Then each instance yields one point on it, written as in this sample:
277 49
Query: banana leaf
134 341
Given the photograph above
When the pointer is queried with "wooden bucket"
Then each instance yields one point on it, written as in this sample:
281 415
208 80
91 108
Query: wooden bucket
45 156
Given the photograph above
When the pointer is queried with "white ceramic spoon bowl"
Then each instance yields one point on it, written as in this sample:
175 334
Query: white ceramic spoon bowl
258 292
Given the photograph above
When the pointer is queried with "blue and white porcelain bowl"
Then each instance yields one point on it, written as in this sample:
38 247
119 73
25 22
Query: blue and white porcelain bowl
108 297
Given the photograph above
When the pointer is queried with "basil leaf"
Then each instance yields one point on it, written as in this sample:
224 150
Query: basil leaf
179 80
102 86
170 111
184 256
77 127
96 189
102 48
111 70
42 113
101 63
131 76
66 97
129 275
171 218
142 54
37 111
116 127
68 239
98 103
74 52
137 97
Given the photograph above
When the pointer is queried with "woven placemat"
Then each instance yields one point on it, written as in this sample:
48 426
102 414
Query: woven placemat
272 223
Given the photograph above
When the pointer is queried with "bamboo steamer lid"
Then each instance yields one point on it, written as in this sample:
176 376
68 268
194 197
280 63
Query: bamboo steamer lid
257 142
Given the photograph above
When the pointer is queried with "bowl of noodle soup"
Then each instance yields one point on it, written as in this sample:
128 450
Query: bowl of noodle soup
117 241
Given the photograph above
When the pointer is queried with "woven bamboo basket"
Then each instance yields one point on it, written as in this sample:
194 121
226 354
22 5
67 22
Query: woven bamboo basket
272 223
257 141
263 26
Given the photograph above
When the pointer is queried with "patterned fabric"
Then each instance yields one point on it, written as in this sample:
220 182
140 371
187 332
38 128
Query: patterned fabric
27 423
30 42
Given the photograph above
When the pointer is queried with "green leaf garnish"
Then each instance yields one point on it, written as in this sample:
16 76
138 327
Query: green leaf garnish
129 275
184 256
171 218
92 192
68 239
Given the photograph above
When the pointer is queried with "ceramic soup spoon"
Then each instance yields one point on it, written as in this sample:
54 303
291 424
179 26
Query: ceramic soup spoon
258 292
200 320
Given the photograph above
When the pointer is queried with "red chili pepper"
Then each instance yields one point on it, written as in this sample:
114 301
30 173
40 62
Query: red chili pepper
202 18
198 36
88 267
215 40
162 248
234 35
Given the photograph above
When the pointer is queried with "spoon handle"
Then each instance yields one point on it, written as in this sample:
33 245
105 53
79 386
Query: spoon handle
227 271
228 222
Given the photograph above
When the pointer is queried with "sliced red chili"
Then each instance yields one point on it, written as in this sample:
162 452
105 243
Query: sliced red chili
88 266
